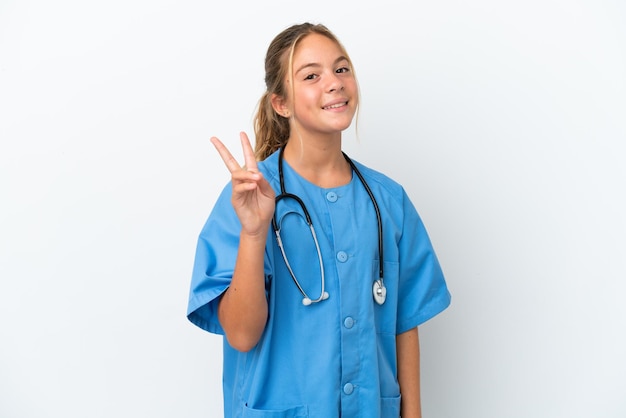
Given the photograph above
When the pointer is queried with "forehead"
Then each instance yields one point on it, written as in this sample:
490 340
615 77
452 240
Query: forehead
316 48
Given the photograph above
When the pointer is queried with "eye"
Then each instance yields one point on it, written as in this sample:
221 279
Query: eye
310 76
342 70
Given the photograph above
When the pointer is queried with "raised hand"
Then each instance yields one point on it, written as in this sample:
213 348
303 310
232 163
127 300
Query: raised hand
253 197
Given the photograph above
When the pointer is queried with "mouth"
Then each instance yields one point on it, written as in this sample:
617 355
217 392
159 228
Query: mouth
335 105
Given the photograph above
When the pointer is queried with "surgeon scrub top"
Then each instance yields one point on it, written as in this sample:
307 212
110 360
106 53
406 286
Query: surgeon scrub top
335 358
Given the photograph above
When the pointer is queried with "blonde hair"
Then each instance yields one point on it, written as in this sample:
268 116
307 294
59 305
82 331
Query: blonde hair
271 129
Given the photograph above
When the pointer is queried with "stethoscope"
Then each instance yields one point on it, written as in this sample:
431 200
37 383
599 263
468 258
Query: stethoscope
378 289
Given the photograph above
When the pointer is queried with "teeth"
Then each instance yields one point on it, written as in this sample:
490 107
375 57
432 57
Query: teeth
335 106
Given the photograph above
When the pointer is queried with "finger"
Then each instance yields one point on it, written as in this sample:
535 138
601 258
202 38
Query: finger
265 188
227 157
240 190
247 176
248 152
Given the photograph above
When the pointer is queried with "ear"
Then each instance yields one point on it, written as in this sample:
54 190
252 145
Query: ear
279 104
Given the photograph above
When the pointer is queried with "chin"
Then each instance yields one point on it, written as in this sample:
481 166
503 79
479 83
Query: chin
344 126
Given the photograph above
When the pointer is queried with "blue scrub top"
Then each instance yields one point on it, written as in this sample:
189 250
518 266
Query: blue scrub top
337 357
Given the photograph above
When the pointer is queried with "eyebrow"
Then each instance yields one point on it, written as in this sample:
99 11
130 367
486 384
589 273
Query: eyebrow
315 64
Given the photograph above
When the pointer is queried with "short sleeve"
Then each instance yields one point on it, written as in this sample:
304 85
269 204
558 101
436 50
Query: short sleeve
423 292
216 253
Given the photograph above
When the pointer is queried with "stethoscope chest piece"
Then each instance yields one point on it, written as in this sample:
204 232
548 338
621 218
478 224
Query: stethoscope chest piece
379 291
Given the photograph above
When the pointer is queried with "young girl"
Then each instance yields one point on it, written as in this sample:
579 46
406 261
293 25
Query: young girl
315 268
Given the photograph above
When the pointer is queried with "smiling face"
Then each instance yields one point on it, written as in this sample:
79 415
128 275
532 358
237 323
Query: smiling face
322 93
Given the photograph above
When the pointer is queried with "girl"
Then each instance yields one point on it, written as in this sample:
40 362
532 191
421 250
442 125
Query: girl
319 315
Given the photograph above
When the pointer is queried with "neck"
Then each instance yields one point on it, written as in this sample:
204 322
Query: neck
319 162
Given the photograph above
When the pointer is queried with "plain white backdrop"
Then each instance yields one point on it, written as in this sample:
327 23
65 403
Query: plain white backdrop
504 120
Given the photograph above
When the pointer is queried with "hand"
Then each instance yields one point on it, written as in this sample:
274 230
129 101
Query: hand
253 197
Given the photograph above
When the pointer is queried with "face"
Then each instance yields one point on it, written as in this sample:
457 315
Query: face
324 96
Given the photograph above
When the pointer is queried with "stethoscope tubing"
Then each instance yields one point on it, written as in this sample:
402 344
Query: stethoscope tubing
378 284
379 221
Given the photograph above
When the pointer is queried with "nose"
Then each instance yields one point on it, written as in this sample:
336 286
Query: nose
335 83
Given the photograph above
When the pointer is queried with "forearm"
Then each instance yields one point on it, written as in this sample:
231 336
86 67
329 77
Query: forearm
243 307
408 353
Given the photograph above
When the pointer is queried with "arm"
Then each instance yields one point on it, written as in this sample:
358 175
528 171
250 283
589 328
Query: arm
242 309
408 352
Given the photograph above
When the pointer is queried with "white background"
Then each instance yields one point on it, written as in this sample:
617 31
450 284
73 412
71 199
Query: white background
505 121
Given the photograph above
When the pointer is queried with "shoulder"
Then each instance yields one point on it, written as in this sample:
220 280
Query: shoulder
380 182
269 167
